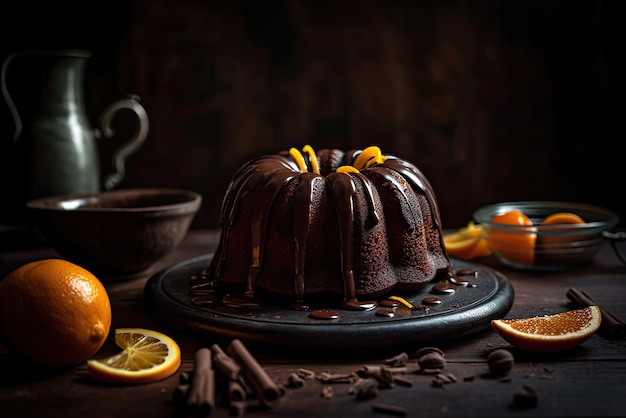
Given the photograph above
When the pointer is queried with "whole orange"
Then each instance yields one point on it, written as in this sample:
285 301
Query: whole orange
54 312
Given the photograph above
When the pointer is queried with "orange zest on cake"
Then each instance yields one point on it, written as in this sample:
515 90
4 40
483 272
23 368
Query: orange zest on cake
369 156
311 153
299 159
402 301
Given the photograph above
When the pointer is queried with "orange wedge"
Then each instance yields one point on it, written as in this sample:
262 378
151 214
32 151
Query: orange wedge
466 243
146 356
550 333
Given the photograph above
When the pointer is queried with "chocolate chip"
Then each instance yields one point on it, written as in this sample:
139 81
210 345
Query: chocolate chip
525 397
432 360
500 361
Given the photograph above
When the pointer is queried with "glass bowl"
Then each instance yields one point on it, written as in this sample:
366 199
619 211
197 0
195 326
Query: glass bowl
545 247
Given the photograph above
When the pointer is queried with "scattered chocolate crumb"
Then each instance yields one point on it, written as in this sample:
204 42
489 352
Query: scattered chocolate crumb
398 360
294 380
327 392
452 377
306 374
548 369
505 379
469 378
525 397
438 383
336 378
390 409
365 389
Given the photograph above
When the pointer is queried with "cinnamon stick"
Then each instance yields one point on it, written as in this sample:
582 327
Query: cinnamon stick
265 388
611 325
201 398
229 367
225 363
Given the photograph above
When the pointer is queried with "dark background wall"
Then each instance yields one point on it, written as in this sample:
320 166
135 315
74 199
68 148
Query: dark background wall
494 100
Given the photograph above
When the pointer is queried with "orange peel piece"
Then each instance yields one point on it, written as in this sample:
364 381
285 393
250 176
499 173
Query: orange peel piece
369 156
307 149
299 159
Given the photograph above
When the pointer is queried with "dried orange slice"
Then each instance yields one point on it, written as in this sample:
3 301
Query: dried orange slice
549 333
146 356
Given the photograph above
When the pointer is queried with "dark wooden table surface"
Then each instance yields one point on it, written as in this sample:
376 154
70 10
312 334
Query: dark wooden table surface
586 381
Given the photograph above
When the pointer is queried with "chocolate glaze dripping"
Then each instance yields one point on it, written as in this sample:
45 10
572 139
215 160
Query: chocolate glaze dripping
246 179
271 173
304 198
343 189
260 224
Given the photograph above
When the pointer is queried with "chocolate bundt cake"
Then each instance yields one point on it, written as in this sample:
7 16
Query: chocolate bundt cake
301 225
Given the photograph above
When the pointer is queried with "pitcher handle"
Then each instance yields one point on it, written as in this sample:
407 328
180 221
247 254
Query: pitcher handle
7 97
132 145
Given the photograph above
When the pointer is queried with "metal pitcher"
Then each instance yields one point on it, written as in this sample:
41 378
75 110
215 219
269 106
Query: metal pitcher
59 143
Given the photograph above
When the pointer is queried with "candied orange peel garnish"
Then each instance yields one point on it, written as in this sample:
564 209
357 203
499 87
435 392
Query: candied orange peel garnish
301 162
312 158
347 169
402 301
299 159
368 157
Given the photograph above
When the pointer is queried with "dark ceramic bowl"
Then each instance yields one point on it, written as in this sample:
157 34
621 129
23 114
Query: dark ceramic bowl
116 234
552 247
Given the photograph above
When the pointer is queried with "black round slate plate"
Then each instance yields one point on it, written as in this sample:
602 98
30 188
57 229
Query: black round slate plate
466 311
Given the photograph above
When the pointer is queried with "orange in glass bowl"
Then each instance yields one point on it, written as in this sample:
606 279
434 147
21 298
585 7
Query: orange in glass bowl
544 235
516 245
